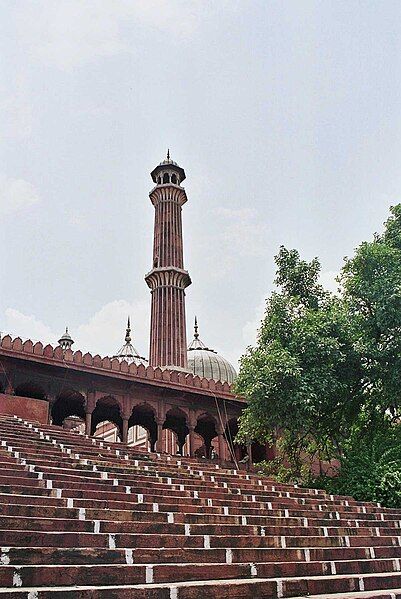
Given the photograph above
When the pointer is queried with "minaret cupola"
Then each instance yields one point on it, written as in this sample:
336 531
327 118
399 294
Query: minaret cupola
65 341
168 172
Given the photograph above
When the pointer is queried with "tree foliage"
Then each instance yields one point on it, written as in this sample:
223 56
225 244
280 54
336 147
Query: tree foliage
302 378
372 291
371 464
324 363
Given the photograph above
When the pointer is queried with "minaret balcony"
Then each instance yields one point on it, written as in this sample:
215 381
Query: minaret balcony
168 193
168 276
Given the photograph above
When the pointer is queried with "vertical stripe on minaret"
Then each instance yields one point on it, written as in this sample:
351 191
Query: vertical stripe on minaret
168 279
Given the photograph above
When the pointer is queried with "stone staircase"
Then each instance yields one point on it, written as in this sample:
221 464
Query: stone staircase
82 518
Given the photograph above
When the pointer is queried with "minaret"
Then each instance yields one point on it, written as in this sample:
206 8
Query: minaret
168 279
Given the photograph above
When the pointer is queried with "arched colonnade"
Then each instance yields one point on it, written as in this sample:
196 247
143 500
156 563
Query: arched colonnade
170 428
196 432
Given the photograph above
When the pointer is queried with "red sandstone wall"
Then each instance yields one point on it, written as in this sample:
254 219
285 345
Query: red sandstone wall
24 407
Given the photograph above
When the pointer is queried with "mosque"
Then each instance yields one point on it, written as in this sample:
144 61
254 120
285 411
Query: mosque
179 400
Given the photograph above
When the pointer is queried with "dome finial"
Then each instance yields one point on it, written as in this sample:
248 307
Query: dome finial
206 363
128 332
168 154
128 353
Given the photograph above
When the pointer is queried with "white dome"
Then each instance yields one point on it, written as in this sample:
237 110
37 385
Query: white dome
207 363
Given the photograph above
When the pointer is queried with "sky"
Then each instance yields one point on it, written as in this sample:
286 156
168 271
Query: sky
285 115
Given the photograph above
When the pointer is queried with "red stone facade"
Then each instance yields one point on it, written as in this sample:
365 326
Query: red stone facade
99 389
37 409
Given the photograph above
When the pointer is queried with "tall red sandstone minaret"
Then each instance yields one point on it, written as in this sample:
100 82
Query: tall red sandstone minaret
168 279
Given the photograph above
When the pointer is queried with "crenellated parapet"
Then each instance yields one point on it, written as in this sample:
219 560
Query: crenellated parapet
49 355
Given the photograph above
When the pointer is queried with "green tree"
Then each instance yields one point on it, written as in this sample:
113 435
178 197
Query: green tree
324 379
302 380
372 290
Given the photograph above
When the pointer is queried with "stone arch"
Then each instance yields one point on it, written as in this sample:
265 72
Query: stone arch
177 421
206 427
108 409
166 178
68 403
174 179
30 389
144 415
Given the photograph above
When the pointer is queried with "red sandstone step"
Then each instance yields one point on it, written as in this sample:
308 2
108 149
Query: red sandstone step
190 550
114 527
63 512
359 540
116 508
51 548
208 514
222 589
136 573
251 520
284 501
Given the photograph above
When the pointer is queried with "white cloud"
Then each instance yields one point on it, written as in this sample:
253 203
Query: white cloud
16 194
242 232
103 334
70 33
105 331
251 327
27 326
78 219
16 114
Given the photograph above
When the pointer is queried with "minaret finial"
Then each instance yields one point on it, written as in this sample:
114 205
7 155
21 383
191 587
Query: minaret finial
196 334
168 154
128 332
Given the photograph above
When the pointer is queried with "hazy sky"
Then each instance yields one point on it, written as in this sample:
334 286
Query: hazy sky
285 115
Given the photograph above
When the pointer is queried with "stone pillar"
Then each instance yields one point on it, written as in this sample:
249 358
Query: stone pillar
90 406
125 429
88 423
221 444
249 450
159 442
191 438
